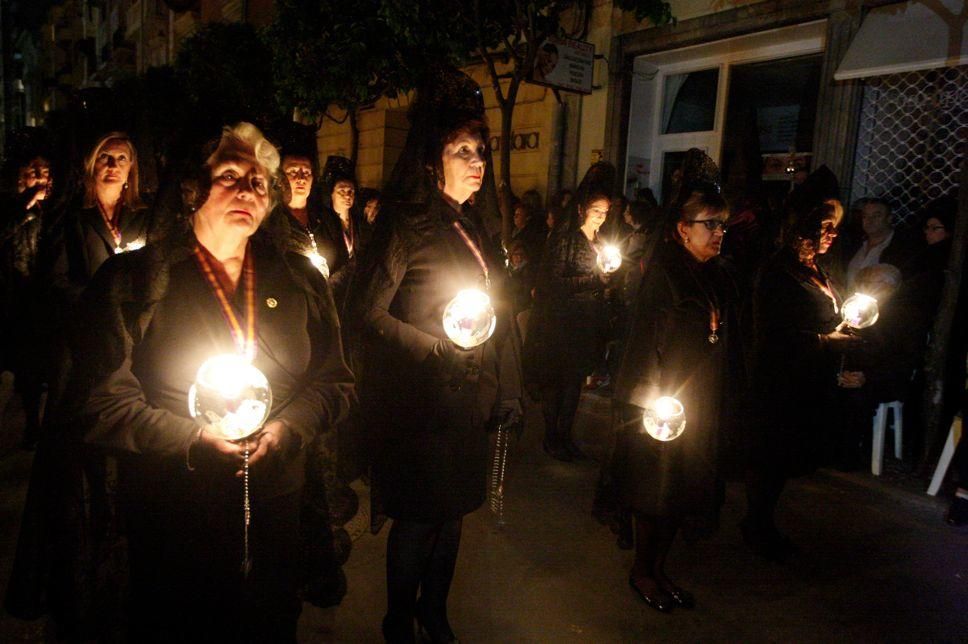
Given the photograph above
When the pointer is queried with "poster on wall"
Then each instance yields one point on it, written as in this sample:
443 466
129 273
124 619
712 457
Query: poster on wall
564 64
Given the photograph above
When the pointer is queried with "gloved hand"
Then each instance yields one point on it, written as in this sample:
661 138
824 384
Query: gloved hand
455 365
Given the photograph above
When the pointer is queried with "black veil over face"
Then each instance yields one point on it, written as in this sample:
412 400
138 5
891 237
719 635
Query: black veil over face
599 180
446 100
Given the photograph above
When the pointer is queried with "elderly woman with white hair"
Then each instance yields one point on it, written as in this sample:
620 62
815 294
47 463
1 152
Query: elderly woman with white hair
149 319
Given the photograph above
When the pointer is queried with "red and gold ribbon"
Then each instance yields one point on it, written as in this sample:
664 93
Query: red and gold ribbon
244 338
475 250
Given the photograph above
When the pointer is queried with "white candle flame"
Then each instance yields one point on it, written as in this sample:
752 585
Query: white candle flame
609 258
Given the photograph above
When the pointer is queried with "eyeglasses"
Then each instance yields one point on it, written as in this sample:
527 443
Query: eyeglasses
711 225
298 173
933 228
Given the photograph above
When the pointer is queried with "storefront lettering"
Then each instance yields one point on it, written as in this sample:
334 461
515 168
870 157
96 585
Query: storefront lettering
519 141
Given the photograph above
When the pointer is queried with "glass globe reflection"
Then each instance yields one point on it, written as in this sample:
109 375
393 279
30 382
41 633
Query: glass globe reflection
860 311
231 396
319 262
609 259
664 419
469 318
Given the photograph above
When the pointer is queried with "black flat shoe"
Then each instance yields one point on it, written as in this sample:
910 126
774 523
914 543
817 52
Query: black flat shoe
681 597
434 630
397 631
557 452
661 601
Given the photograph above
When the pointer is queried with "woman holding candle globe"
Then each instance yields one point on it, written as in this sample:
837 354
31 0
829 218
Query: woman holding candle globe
677 348
798 343
151 323
112 218
426 399
566 339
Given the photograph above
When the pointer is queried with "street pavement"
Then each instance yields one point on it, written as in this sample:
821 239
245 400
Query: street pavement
877 564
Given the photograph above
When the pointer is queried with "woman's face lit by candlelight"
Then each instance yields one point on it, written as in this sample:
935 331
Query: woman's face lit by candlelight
703 236
112 164
594 213
463 164
238 199
299 174
828 233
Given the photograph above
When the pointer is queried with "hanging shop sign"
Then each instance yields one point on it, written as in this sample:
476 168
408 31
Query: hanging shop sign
564 64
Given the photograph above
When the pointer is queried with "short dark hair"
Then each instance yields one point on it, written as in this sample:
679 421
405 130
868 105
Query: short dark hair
877 201
701 198
442 134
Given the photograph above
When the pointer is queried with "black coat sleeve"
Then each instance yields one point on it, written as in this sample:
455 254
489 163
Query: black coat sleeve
114 410
391 268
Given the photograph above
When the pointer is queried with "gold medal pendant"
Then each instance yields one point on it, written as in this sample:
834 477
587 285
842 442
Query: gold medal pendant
713 338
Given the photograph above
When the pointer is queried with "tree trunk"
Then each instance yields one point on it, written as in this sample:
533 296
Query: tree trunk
354 137
937 355
507 144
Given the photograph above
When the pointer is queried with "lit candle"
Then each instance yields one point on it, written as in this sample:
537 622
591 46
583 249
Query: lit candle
859 311
609 258
132 245
664 419
469 318
316 259
231 396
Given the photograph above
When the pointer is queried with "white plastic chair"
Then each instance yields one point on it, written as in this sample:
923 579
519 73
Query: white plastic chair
880 425
948 453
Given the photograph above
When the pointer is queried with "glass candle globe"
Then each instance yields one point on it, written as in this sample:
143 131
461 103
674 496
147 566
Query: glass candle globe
319 262
664 419
860 311
469 318
609 259
231 396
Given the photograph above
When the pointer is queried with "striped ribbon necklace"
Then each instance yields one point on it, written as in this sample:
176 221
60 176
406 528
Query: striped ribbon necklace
244 338
475 251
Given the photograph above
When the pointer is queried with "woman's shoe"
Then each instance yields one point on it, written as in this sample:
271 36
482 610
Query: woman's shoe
398 631
681 597
434 629
660 600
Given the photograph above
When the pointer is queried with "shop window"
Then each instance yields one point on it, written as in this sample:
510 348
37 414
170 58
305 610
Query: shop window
689 102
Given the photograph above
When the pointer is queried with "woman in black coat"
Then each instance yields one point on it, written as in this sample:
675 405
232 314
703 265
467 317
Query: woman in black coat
150 319
566 341
426 401
112 219
681 324
797 351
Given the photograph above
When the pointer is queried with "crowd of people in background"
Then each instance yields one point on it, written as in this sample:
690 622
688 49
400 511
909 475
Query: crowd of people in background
730 306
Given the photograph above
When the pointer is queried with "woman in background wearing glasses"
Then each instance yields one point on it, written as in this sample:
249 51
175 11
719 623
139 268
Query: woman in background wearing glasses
677 347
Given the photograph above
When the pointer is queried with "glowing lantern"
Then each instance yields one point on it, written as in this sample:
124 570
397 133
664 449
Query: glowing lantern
609 259
859 311
664 419
469 318
231 396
